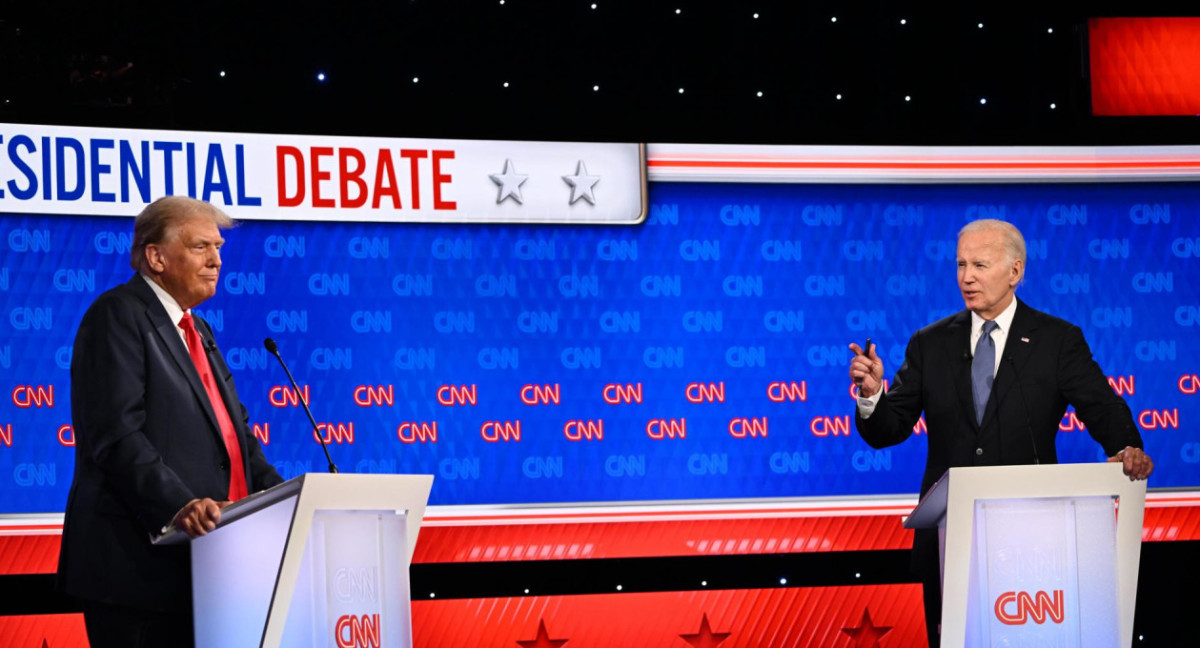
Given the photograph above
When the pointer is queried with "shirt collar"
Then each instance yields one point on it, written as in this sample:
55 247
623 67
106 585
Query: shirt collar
173 310
1003 320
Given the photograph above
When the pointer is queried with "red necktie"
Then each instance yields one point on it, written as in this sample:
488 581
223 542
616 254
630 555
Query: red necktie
237 480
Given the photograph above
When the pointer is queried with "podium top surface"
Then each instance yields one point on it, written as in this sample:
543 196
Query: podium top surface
1024 481
352 482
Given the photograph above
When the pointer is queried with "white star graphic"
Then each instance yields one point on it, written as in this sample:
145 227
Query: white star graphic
510 183
582 184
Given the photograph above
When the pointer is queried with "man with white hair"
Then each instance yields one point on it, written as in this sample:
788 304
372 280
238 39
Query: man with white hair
993 382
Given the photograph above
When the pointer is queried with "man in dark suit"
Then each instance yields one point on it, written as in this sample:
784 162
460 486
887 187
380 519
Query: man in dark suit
161 437
993 382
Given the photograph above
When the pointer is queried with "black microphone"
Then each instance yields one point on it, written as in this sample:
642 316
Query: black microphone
274 349
1025 408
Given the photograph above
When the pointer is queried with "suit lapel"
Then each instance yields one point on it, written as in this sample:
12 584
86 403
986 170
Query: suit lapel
168 334
958 348
1018 349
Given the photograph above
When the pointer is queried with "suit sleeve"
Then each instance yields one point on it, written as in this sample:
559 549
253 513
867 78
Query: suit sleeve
1083 384
898 410
108 392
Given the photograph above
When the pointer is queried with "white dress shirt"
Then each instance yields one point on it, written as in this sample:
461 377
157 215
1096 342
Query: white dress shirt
866 406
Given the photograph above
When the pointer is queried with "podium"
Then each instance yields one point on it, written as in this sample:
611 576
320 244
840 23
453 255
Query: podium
1036 555
319 560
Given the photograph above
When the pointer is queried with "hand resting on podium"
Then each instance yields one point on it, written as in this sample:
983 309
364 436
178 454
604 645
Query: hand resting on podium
199 516
1137 464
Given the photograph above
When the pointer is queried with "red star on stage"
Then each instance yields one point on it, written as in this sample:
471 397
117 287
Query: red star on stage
543 639
867 634
705 638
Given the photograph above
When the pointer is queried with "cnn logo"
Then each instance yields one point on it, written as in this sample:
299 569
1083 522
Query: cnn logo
1017 608
357 631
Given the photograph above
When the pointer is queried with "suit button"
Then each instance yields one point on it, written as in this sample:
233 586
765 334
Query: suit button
978 451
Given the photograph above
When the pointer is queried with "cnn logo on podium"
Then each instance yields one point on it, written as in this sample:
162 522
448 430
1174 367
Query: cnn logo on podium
1018 608
357 631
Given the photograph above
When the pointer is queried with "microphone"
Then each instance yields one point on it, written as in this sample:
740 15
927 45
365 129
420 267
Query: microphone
274 350
1025 408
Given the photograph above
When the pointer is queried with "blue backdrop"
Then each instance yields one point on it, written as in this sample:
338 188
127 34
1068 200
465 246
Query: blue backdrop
699 355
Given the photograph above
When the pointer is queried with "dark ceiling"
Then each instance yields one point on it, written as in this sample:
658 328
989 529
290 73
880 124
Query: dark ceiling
574 72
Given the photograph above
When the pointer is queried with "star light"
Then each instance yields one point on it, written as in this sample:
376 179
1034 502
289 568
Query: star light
542 640
867 634
320 76
705 637
510 183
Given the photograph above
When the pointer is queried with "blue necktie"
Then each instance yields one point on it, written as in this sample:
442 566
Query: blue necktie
983 368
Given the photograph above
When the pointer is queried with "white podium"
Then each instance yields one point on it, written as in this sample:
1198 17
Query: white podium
1036 555
320 560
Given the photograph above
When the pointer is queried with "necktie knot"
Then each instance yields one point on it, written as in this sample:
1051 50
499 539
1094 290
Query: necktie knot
988 326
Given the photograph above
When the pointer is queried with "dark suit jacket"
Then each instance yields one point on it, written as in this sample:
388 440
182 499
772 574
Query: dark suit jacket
1047 365
146 443
1049 359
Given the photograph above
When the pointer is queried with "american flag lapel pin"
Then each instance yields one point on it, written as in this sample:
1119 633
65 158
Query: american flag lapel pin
1024 339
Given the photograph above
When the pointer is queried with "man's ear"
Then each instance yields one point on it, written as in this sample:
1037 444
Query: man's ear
1018 268
154 258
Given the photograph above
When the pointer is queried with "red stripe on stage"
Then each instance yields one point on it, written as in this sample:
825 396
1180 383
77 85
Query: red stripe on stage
43 631
695 537
29 554
882 615
33 549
